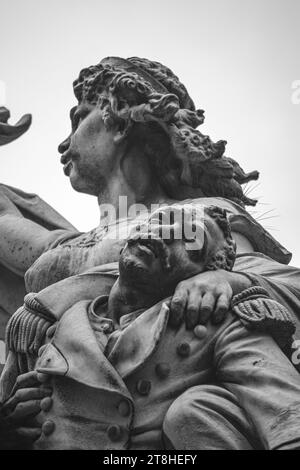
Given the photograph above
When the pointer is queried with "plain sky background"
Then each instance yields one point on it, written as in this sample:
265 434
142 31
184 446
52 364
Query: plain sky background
237 58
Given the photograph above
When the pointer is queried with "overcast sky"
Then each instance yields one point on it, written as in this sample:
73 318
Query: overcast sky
237 58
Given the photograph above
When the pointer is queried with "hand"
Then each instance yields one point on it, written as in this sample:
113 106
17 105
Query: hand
17 425
9 132
205 295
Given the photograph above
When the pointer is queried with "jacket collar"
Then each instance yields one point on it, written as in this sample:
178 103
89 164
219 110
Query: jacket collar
139 340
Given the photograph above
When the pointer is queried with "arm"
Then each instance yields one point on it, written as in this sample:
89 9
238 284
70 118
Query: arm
22 241
281 281
206 293
266 384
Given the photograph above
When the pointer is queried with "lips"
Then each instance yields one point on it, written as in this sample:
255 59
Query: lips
65 158
67 167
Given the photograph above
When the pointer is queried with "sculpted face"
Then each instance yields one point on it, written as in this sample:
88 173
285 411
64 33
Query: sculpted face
91 151
167 249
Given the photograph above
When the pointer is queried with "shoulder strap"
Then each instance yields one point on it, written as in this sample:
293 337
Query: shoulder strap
257 311
26 329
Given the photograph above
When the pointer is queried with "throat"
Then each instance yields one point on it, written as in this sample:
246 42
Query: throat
124 299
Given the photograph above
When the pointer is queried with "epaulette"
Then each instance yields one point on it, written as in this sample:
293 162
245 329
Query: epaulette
26 329
257 311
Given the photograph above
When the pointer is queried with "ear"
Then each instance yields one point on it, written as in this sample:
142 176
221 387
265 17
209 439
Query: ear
122 131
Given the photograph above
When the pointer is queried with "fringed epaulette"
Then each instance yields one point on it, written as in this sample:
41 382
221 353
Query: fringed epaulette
26 329
257 311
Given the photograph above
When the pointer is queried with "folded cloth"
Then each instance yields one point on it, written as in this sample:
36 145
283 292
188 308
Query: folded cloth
12 287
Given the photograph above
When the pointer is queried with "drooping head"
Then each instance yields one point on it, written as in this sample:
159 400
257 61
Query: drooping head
177 242
144 104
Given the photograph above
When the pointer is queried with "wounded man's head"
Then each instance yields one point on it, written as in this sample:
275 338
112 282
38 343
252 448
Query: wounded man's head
177 242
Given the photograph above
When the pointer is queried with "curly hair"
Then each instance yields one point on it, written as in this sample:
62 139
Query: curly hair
154 109
224 258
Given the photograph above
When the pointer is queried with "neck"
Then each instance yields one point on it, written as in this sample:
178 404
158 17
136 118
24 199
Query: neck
125 298
132 181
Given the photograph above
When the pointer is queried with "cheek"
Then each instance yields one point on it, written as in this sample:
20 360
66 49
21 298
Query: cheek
184 265
178 255
91 132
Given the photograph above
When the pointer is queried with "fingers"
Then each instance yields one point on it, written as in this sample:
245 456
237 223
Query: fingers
24 410
205 296
192 310
24 395
19 438
207 307
177 306
222 307
29 434
26 381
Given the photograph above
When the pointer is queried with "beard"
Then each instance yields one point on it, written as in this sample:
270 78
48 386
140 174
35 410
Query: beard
134 270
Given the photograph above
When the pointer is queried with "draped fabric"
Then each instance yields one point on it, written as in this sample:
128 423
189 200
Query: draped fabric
12 286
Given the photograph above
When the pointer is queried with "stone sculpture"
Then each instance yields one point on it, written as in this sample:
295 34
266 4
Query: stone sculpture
134 134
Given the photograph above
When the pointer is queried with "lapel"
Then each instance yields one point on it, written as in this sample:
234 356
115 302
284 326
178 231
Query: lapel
137 342
59 297
74 352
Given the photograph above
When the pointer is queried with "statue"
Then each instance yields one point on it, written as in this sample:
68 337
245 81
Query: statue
8 132
115 349
134 134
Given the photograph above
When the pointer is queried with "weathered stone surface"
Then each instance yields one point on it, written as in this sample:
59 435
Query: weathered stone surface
10 132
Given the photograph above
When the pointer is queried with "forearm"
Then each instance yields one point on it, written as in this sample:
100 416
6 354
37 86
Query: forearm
22 241
238 281
282 282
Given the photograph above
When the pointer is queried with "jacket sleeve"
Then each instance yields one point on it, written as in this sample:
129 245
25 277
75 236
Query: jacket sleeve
266 384
282 282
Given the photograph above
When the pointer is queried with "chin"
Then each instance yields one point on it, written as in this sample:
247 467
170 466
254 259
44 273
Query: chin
80 185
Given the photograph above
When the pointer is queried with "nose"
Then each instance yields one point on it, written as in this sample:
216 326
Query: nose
63 146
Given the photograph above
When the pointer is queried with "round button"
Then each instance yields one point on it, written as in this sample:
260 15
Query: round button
114 432
124 408
183 350
162 370
107 328
143 387
46 403
200 331
48 427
